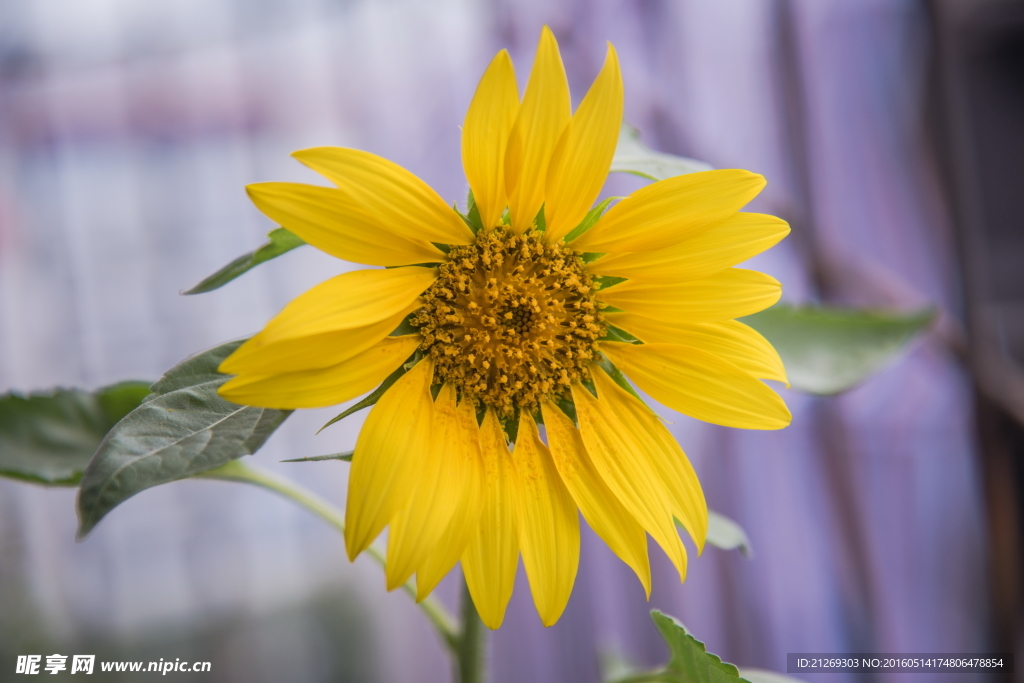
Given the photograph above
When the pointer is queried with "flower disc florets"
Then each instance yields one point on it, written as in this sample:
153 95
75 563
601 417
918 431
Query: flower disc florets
511 320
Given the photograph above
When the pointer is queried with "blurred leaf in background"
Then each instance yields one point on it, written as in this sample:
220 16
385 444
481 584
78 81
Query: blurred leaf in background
633 156
830 350
49 437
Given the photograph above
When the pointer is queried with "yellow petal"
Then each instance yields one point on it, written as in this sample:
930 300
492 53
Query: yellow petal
667 460
395 198
434 496
626 464
347 301
489 561
465 463
580 163
332 222
485 137
257 356
320 387
669 211
549 525
395 436
732 293
730 242
543 115
600 507
700 384
731 339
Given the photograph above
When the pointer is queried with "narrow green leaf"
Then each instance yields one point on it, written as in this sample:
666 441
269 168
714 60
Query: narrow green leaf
606 281
49 437
183 429
371 399
619 378
690 662
588 221
346 456
829 350
472 215
632 156
281 242
613 333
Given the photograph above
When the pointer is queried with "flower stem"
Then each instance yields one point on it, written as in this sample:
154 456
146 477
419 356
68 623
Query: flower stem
235 470
471 651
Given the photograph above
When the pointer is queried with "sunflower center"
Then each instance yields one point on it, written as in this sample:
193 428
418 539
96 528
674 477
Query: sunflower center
510 321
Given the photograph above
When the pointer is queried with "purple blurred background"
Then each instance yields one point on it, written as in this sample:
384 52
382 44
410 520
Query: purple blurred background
128 130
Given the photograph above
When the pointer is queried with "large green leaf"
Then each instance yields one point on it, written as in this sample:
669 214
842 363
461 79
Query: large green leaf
633 156
183 429
48 438
690 662
829 350
281 242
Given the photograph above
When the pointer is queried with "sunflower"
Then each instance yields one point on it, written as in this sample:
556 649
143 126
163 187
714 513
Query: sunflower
530 310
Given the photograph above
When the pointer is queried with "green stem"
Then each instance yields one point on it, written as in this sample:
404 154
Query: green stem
472 645
235 470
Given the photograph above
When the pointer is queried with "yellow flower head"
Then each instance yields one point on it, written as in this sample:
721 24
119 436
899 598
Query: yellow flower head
528 313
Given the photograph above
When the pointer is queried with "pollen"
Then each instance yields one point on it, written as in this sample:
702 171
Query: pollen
511 321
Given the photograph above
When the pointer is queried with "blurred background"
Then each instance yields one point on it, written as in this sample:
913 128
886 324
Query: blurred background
891 133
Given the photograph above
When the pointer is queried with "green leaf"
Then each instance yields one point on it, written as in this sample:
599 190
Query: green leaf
728 535
372 398
633 156
690 661
472 215
183 429
49 437
763 676
346 456
281 241
588 221
830 350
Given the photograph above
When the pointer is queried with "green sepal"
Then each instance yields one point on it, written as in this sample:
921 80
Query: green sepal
591 256
829 350
541 221
281 242
182 429
619 379
569 408
616 334
346 456
375 395
49 437
511 427
472 215
405 327
633 156
590 219
606 281
690 662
